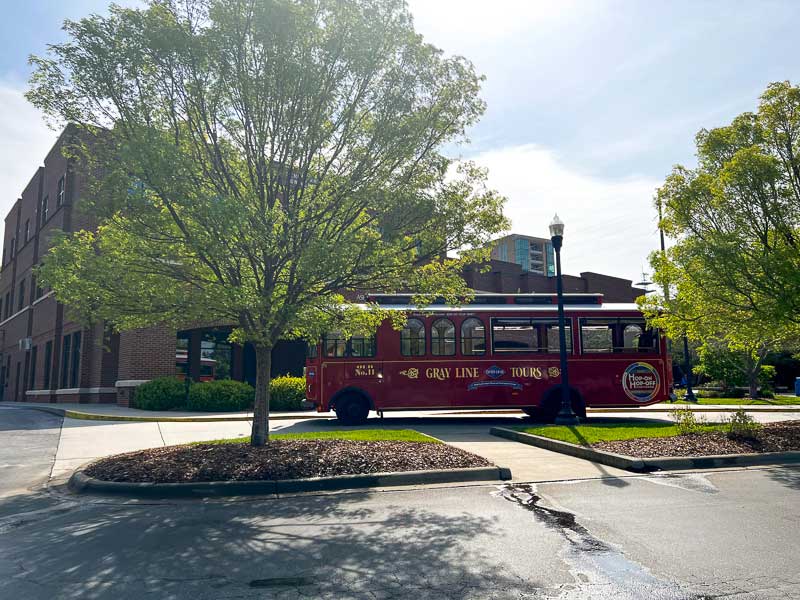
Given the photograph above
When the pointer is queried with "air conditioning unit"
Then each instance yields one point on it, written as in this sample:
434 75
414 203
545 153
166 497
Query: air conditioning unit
25 343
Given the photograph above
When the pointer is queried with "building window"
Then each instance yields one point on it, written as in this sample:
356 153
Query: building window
21 301
216 356
48 357
27 230
473 337
32 379
412 338
76 359
443 338
550 257
61 189
523 254
502 252
43 216
65 348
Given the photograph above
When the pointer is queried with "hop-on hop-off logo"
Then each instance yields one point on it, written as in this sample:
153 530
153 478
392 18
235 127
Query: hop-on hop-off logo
494 372
640 382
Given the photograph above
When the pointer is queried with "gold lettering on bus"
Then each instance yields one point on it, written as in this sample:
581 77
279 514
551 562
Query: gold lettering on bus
527 372
439 373
365 370
465 372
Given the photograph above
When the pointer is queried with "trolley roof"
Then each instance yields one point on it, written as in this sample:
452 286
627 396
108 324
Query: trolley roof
505 303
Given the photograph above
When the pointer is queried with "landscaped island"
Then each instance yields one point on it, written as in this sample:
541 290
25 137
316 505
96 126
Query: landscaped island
286 456
651 440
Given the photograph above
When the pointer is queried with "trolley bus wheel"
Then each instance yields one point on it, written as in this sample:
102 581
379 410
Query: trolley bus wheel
352 409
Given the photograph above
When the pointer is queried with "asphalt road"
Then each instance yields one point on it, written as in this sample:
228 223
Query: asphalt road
28 443
730 534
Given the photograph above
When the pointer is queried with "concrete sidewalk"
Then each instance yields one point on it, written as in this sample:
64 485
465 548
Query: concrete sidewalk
112 412
84 440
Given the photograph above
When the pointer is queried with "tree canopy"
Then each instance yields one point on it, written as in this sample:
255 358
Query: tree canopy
253 161
733 269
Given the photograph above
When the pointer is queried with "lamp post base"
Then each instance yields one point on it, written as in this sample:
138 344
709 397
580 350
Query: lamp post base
567 419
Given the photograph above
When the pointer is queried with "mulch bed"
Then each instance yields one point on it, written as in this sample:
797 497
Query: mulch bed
280 459
773 437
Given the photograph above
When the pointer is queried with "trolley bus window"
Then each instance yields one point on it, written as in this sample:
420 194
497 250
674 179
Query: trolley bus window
617 335
334 344
412 338
443 338
510 336
550 337
473 337
597 335
312 350
362 346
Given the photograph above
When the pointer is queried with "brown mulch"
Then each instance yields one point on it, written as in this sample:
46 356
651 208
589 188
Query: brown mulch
773 437
280 459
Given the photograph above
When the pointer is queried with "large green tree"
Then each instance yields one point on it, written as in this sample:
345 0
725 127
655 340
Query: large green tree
732 271
255 160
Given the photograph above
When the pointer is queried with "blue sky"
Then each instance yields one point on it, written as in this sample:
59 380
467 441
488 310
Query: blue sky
589 103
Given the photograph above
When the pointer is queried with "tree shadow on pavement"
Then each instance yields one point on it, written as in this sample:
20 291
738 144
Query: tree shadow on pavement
335 545
788 476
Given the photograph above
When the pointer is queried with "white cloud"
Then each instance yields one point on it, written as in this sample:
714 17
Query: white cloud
24 142
610 223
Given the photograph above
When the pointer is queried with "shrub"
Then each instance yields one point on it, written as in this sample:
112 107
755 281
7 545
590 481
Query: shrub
221 395
164 393
685 421
287 393
740 425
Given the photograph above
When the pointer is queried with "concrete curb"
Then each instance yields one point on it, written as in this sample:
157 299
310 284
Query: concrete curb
74 414
83 484
646 465
695 408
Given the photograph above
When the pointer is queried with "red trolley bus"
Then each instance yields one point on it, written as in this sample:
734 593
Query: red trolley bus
499 351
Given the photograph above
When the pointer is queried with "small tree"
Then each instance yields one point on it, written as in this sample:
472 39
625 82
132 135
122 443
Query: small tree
742 366
254 160
732 274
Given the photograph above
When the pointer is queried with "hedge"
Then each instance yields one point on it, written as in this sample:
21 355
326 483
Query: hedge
221 395
287 393
169 393
164 393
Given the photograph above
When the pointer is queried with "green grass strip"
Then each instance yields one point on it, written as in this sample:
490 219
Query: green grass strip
360 435
777 401
584 435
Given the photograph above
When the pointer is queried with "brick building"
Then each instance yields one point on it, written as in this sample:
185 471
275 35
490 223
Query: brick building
510 278
47 357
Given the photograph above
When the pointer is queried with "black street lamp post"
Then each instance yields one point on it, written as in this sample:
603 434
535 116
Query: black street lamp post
687 365
565 415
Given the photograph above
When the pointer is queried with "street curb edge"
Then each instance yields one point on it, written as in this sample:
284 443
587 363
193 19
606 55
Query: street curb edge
81 483
646 465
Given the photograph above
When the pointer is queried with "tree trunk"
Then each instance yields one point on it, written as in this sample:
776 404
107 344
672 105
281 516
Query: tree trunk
753 385
260 434
752 376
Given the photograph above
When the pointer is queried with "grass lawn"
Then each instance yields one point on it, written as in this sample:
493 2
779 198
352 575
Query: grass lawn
359 435
585 435
776 401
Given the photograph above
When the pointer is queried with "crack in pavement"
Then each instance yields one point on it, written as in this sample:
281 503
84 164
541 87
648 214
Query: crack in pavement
599 569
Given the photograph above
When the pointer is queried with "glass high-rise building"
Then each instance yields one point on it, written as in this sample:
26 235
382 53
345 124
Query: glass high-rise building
533 254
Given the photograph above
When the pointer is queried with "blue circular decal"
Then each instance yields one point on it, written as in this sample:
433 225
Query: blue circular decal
640 382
